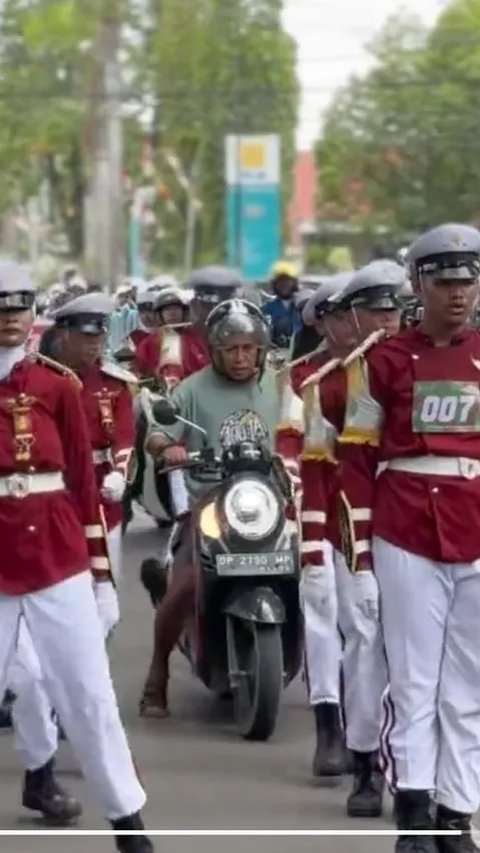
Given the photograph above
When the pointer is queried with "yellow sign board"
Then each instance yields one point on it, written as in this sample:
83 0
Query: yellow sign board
252 155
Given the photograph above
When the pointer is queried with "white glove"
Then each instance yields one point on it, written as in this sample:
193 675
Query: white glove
107 605
113 487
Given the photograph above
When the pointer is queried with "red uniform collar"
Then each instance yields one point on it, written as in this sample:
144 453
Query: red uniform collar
420 335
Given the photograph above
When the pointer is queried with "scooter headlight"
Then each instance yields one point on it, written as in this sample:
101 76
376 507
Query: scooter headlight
251 509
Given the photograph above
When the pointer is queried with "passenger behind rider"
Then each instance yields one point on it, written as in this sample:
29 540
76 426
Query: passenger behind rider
236 397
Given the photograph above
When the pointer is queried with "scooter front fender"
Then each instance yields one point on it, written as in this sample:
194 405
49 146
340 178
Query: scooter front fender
259 604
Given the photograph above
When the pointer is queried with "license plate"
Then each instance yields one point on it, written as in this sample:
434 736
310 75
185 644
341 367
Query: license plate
276 563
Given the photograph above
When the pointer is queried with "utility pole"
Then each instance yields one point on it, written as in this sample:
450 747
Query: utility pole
103 212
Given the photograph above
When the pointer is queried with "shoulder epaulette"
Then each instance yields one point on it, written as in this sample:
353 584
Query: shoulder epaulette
57 366
110 368
323 371
366 345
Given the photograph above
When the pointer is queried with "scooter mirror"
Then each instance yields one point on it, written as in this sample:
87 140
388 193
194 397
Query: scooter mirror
164 411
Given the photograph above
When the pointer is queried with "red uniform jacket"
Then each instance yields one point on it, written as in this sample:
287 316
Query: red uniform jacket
137 336
172 355
320 472
413 399
107 402
46 538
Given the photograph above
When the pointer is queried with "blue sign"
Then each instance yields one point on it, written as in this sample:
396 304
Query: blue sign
253 229
253 203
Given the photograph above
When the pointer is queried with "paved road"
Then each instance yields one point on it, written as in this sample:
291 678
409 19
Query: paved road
198 773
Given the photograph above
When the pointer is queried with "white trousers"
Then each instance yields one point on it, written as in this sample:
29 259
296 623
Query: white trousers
364 665
67 636
318 599
35 733
430 615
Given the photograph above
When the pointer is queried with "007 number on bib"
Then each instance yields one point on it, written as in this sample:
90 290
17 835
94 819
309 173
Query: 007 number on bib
446 407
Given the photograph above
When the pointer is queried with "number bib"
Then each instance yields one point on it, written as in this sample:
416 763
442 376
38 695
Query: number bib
446 407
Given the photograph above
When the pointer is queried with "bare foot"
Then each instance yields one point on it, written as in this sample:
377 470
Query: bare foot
154 709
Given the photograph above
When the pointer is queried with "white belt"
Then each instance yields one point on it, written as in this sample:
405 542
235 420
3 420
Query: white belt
20 485
101 456
440 466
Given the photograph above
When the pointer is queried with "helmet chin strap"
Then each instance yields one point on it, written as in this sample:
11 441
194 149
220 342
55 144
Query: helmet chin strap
331 334
357 324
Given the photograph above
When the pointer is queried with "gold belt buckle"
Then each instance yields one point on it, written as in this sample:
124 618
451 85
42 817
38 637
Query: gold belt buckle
18 485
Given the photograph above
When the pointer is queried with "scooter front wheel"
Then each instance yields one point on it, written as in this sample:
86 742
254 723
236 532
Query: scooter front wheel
259 687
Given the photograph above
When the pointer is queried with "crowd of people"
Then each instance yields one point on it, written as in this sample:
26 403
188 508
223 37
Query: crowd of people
376 417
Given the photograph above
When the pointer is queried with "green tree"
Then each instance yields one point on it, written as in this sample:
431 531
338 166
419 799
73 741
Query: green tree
217 68
399 145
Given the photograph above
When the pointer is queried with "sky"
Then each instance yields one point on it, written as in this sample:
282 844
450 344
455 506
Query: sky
331 35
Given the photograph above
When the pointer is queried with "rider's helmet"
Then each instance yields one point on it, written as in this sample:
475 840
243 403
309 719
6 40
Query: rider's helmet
235 317
284 279
447 252
167 297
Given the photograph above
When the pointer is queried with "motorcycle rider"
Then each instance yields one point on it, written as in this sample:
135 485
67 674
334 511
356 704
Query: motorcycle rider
413 414
50 532
234 396
282 311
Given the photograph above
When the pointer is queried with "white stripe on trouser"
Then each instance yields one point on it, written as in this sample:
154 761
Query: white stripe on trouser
322 644
115 551
67 635
364 666
35 733
430 614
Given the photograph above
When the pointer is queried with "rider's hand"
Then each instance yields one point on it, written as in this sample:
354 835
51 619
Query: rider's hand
175 455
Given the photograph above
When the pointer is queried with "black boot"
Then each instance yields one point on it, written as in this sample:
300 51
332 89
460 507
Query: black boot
131 843
366 799
329 758
413 811
448 819
42 793
6 721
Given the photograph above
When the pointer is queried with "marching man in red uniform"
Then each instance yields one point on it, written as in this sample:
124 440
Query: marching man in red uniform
369 305
317 585
314 317
82 328
52 541
414 415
